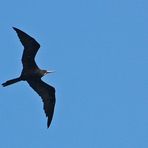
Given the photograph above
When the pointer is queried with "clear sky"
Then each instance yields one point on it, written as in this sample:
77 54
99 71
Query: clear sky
99 49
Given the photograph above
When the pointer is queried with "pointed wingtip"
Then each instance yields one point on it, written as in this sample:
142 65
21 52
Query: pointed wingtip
48 124
15 29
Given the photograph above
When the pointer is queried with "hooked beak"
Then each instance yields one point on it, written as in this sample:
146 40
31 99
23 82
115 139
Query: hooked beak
50 71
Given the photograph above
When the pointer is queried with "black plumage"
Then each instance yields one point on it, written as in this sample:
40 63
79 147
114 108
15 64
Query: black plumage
33 74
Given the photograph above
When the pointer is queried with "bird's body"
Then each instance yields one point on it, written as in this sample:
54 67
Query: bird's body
33 74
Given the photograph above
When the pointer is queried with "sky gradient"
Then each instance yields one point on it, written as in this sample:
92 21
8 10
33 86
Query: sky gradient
99 50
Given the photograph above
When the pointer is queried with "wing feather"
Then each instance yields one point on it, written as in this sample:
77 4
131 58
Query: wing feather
31 47
47 94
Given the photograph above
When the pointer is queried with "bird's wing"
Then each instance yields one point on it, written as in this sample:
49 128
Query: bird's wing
47 94
31 47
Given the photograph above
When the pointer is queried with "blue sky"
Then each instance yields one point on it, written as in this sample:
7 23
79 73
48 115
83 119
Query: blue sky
99 49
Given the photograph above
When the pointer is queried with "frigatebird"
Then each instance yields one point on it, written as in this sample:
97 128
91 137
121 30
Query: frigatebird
33 74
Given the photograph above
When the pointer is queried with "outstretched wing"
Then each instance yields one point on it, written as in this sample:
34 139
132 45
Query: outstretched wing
31 47
47 94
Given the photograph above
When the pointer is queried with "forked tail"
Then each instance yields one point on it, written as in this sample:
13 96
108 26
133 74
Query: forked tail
9 82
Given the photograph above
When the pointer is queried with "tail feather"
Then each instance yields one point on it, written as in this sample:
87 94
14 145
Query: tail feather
9 82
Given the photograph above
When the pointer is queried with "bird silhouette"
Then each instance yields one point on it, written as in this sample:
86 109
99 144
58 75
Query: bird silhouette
33 74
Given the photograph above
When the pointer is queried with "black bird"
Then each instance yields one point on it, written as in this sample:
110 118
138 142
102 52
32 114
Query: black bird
33 74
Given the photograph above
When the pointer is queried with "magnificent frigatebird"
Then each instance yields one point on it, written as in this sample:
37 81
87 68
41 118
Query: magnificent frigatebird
33 74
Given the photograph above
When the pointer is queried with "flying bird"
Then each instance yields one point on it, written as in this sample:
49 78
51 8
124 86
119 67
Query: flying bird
33 74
